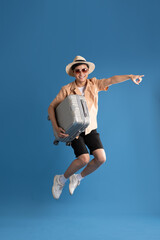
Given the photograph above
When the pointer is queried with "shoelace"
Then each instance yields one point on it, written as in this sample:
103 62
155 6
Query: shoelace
59 186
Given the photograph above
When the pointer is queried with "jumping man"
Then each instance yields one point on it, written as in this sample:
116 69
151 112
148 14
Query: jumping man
88 87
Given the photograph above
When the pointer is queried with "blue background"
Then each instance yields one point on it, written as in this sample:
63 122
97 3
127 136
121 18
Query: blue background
38 39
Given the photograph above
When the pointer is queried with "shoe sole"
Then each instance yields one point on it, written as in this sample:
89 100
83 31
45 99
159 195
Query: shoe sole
52 189
70 191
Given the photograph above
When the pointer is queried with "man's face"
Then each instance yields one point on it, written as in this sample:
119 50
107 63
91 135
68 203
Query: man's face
81 73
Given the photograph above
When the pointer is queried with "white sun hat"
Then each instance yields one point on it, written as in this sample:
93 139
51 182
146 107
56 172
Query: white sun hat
79 59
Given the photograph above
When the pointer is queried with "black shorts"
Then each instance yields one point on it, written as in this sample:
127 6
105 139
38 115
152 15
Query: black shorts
92 140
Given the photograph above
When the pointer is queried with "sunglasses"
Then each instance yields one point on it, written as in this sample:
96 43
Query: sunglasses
84 70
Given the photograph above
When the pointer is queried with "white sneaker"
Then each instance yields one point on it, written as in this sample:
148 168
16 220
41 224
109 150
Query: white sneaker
57 187
74 182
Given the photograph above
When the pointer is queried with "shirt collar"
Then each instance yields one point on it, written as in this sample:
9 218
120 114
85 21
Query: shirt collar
74 87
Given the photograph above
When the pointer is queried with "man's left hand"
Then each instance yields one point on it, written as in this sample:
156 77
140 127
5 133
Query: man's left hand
137 79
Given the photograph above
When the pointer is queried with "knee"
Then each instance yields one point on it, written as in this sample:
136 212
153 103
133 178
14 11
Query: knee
84 158
101 159
100 156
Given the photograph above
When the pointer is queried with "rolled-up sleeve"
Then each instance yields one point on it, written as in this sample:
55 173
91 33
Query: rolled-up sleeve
101 84
59 98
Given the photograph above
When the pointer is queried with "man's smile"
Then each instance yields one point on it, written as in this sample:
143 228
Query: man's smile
81 77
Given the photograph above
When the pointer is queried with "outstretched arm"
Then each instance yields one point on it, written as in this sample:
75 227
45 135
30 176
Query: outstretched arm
121 78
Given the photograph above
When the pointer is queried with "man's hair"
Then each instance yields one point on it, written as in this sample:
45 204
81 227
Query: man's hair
77 64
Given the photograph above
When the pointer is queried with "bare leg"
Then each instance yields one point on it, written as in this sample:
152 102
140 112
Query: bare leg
77 164
99 158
